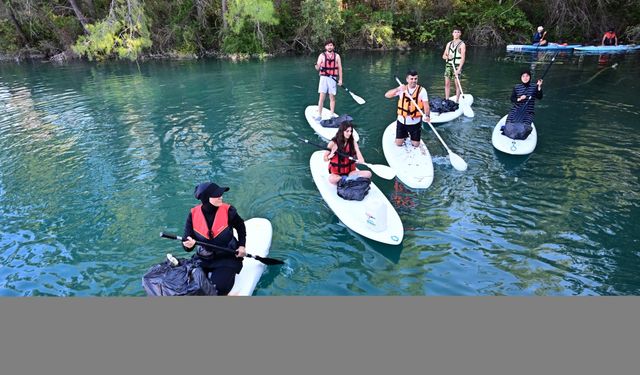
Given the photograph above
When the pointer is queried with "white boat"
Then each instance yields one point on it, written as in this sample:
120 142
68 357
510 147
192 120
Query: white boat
259 234
413 165
373 217
438 118
513 146
326 133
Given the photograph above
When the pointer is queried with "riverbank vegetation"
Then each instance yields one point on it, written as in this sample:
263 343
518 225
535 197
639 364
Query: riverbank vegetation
131 29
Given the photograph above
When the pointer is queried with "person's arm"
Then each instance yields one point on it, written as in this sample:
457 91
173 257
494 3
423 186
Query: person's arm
329 154
445 54
237 223
358 153
603 39
616 38
319 61
189 243
539 90
424 97
396 91
339 63
463 54
514 97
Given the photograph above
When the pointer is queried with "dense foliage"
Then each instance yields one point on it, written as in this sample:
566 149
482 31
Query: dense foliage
103 29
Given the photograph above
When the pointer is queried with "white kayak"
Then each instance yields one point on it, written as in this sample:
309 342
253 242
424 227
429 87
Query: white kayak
438 118
326 133
413 165
513 146
373 217
259 233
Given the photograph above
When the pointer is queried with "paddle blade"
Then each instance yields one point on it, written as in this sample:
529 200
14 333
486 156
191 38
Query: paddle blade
358 99
467 111
268 261
383 171
169 235
457 162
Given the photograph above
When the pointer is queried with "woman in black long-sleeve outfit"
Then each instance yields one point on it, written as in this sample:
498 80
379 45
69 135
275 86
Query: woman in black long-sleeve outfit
213 222
523 97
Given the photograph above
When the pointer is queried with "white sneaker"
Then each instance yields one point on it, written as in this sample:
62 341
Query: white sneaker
318 118
172 259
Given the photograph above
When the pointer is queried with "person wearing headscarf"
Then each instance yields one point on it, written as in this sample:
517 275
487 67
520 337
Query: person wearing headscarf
523 97
213 222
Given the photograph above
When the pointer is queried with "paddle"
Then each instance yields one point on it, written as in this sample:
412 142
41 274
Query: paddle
456 161
267 261
520 113
381 170
355 97
466 109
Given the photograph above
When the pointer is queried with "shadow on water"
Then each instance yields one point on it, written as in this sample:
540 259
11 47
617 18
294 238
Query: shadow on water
513 165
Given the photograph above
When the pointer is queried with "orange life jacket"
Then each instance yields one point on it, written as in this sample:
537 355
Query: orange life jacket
329 66
341 165
220 221
406 107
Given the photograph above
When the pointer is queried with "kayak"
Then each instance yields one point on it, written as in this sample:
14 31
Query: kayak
438 118
413 165
608 49
550 46
326 133
259 233
513 146
373 217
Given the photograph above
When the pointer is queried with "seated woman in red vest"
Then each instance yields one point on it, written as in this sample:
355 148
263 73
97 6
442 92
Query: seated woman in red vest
213 222
342 146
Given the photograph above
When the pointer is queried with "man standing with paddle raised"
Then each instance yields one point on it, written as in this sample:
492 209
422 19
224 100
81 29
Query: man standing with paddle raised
410 119
329 65
454 55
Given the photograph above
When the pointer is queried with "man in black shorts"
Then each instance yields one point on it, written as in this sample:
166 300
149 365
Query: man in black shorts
409 117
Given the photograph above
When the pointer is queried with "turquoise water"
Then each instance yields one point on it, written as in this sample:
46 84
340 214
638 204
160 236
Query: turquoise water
96 160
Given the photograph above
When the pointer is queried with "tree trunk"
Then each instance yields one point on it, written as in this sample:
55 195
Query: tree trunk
224 15
79 15
16 24
91 7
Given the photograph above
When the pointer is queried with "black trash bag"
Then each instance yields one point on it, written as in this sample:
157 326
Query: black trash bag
185 279
354 189
336 121
440 105
517 130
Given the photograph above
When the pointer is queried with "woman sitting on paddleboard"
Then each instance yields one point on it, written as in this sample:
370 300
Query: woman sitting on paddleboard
213 222
523 97
339 164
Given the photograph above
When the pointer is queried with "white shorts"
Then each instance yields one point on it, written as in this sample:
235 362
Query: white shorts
327 85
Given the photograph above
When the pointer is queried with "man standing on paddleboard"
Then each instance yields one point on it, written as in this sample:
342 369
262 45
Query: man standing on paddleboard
410 119
329 65
455 51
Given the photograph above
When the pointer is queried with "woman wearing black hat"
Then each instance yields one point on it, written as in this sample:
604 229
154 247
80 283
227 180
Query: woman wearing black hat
213 222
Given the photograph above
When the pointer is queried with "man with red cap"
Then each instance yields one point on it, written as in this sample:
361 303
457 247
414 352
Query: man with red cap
213 222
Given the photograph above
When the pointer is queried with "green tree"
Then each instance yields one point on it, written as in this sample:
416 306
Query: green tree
246 20
124 33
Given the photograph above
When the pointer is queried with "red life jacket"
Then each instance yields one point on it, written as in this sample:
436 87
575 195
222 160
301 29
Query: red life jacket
609 38
220 221
341 165
329 66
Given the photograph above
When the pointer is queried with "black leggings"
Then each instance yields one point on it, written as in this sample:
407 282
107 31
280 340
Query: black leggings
223 278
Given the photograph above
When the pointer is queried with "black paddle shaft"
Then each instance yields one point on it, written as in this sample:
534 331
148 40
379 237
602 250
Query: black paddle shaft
324 148
267 261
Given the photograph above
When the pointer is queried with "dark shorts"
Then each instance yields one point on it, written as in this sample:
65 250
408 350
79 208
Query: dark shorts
403 131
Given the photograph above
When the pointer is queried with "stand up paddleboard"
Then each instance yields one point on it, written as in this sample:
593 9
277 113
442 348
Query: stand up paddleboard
259 234
551 47
413 165
326 133
513 146
438 118
373 217
621 48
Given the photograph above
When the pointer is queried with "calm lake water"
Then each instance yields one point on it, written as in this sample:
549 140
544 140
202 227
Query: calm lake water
96 160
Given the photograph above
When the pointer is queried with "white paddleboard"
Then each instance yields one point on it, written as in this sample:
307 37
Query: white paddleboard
413 165
438 118
373 217
259 233
326 133
513 146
